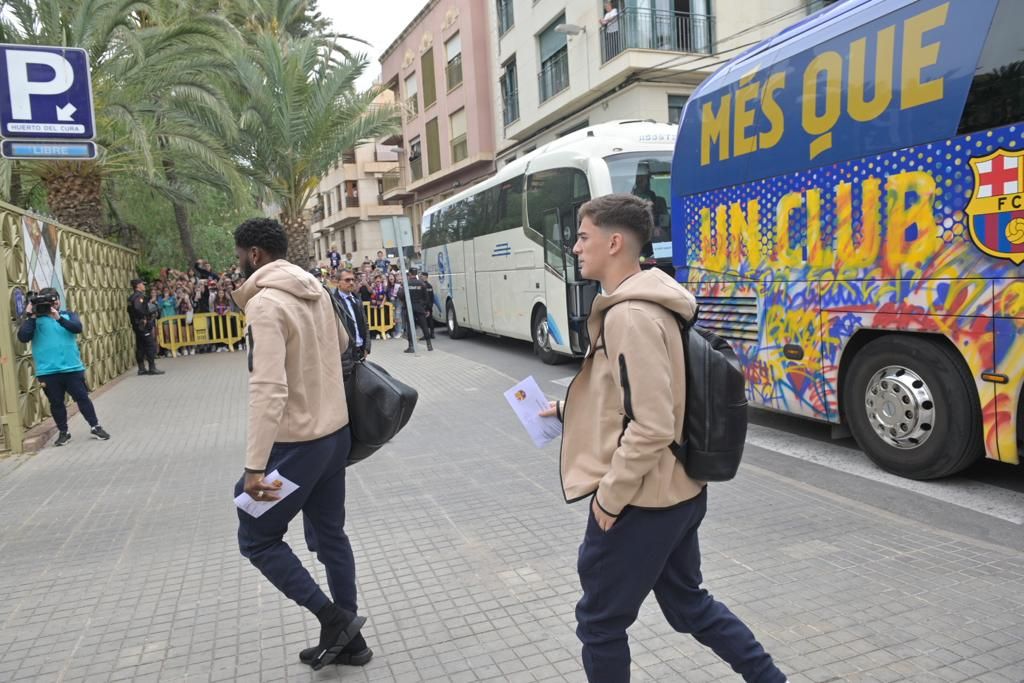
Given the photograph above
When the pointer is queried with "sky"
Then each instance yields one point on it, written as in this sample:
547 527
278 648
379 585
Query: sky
376 21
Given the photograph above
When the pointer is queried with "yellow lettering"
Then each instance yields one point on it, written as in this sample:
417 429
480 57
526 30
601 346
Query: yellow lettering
820 254
745 229
785 255
917 56
900 248
705 233
717 256
744 120
772 111
864 254
714 129
831 65
860 109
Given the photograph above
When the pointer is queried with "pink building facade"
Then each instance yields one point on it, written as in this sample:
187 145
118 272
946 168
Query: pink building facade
440 70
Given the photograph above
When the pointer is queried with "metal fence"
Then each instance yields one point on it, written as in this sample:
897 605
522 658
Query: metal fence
657 30
97 277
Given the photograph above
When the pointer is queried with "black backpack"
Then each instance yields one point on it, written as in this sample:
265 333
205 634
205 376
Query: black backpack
715 426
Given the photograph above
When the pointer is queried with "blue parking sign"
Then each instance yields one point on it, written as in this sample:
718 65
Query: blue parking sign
45 92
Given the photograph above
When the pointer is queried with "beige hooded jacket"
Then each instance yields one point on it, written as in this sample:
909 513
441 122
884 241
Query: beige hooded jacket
634 368
295 387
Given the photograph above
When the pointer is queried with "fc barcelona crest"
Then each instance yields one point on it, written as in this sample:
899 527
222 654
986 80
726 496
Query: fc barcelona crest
996 209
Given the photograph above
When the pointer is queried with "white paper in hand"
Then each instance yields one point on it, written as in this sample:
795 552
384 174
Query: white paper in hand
255 507
527 400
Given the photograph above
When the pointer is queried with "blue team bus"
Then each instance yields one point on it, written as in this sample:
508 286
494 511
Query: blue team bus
848 207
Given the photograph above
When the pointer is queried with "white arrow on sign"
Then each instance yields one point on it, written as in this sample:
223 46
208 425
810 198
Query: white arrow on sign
67 112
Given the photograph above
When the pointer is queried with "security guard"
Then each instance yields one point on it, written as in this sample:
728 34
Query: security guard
144 326
422 296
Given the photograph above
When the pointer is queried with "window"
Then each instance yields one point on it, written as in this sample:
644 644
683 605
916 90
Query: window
505 16
344 244
337 192
415 159
453 51
509 92
646 175
351 192
554 61
573 128
815 5
509 207
460 148
355 247
552 199
411 100
675 108
433 147
996 97
427 72
327 204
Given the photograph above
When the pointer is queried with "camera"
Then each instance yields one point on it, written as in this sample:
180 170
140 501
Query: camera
41 303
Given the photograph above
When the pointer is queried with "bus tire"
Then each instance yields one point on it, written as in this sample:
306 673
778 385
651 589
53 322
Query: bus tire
912 407
542 340
455 331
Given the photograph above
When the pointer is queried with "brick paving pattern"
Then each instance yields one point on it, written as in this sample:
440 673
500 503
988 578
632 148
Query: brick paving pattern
118 560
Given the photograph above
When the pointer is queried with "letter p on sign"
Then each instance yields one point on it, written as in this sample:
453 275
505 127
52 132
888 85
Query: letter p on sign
45 92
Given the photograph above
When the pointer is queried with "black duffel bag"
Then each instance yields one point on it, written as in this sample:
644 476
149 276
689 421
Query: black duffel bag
378 407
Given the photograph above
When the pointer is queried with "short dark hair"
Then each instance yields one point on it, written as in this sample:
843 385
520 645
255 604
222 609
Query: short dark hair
265 233
621 211
137 281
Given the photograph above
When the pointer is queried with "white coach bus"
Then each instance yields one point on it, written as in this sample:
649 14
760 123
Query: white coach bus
499 254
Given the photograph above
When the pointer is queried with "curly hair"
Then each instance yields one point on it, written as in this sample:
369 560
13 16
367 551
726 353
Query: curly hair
265 233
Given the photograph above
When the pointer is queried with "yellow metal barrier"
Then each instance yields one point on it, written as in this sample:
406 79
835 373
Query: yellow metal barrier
175 331
379 319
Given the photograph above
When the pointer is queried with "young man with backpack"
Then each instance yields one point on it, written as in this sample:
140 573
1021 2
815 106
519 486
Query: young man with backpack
622 413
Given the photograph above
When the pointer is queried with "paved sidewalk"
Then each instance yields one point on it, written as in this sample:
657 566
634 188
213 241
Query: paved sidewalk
118 560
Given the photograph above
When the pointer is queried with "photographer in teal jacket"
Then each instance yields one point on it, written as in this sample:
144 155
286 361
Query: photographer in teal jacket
59 366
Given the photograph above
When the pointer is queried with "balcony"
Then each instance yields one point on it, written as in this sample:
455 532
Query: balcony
416 166
554 76
351 202
412 108
393 187
646 29
453 72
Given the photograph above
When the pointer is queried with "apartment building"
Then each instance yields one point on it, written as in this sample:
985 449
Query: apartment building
561 66
349 203
440 68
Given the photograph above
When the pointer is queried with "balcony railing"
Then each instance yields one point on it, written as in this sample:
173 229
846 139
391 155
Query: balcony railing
392 180
510 107
453 72
554 76
647 29
412 108
351 202
416 166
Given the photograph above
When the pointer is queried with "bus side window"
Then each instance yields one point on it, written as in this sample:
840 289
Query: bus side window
996 97
510 205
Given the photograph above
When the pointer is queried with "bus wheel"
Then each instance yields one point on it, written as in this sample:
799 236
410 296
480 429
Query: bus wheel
912 407
455 331
542 338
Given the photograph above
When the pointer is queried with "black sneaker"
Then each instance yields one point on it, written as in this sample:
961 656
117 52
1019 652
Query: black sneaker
154 371
99 433
62 438
355 653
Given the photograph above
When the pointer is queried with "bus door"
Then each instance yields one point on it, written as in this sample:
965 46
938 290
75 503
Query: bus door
580 293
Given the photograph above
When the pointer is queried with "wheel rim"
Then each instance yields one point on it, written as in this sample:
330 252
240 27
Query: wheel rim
451 319
542 335
900 407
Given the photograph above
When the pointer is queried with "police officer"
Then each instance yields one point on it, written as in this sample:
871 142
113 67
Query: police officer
59 366
422 296
144 325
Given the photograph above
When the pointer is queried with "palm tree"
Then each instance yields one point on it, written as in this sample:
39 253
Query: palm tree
301 111
152 94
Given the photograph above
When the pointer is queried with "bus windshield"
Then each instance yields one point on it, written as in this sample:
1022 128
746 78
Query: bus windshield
646 174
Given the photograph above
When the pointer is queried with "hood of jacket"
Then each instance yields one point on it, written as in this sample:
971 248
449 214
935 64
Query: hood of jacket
648 285
282 275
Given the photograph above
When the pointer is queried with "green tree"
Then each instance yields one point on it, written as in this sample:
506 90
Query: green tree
300 111
153 95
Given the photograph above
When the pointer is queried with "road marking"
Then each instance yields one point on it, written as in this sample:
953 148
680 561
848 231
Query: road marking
564 382
972 495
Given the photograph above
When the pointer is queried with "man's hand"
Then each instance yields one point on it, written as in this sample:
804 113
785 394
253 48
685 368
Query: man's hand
54 313
259 489
29 308
603 520
550 411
